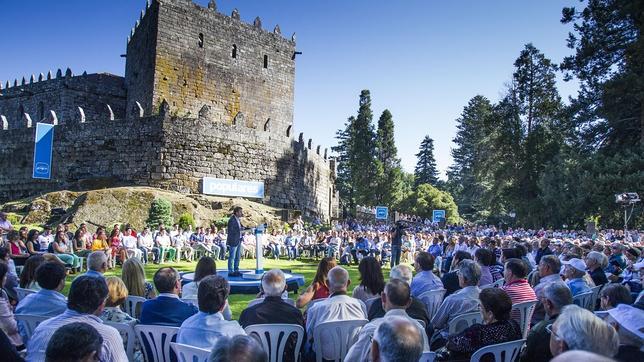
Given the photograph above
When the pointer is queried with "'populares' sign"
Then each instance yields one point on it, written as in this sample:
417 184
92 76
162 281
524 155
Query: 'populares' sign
226 187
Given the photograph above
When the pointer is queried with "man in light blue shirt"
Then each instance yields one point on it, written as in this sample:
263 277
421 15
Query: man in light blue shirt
574 273
87 297
206 327
425 280
96 264
47 301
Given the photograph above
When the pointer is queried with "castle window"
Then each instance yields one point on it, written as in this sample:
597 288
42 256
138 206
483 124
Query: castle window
41 111
267 125
265 61
234 54
288 131
200 40
19 114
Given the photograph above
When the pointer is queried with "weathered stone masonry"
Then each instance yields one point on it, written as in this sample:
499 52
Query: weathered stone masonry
204 95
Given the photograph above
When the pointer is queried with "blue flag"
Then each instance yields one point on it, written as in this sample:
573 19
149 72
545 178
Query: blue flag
43 147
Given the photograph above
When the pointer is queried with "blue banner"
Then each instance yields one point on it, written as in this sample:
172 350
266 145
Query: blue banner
382 213
44 144
226 187
438 216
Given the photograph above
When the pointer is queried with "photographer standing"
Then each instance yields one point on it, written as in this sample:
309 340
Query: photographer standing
396 243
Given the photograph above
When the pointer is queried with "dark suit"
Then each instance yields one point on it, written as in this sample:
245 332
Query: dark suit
166 311
416 310
274 310
233 240
450 283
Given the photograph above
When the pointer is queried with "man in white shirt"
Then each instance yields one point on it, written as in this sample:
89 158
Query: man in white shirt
45 238
395 299
549 268
129 244
337 307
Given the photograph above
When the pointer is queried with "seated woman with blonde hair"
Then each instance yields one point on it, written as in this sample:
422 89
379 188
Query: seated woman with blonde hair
116 296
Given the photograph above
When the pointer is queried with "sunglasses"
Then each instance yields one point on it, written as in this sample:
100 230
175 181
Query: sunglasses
549 330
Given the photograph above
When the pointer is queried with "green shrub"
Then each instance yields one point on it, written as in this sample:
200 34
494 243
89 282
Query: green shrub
160 213
185 220
14 219
221 222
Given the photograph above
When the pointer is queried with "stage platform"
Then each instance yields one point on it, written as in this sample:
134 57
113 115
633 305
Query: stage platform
238 285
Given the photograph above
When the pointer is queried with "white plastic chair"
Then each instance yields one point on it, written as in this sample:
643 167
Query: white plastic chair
499 283
432 300
502 352
525 309
155 341
462 321
129 337
595 291
273 338
343 335
584 300
30 322
193 301
427 357
131 306
186 353
22 292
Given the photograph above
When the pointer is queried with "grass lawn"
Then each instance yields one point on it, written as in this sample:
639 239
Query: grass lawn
238 302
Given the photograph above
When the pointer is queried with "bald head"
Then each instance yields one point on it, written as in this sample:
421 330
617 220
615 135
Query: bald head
338 279
397 339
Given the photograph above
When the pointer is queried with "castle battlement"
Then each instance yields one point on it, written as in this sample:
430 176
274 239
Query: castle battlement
204 95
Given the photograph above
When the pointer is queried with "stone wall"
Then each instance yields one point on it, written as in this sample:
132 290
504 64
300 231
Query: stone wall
62 93
242 72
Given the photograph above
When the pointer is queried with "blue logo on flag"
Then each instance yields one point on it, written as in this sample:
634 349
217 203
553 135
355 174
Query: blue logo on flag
438 215
382 212
43 146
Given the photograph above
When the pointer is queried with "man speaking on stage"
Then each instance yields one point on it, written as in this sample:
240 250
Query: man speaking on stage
234 231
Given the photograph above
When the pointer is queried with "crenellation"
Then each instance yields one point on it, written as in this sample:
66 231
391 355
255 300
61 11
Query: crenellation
41 77
59 73
52 117
4 123
81 115
32 79
26 118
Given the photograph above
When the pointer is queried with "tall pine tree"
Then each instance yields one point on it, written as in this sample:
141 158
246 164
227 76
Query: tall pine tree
345 164
363 150
426 171
388 171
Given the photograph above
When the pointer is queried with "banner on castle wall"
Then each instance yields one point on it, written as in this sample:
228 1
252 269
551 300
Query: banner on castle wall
43 146
226 187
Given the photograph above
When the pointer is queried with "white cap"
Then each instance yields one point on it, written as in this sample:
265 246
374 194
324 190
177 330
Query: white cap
576 263
629 318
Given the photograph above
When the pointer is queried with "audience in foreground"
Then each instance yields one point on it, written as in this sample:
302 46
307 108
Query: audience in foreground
85 303
75 342
629 323
239 348
274 309
208 325
397 339
166 309
578 329
497 326
338 306
395 299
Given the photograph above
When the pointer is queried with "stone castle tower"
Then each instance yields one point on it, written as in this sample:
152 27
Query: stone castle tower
204 94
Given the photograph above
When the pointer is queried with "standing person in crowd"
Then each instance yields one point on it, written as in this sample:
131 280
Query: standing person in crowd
596 262
86 301
396 298
204 328
28 273
553 297
133 275
146 245
463 301
166 309
497 326
338 306
578 329
274 310
75 342
574 272
234 232
97 264
396 244
7 321
396 339
48 301
425 279
371 280
318 288
116 296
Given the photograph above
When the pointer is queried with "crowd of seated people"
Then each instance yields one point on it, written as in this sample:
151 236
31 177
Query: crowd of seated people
478 269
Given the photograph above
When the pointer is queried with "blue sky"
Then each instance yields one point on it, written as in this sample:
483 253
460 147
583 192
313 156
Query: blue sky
422 60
